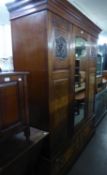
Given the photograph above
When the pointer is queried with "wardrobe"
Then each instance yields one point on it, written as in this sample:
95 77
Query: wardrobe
56 43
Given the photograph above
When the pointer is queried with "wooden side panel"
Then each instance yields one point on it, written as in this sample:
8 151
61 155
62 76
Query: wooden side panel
29 38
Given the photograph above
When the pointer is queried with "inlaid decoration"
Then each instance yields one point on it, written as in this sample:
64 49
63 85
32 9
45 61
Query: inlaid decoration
61 48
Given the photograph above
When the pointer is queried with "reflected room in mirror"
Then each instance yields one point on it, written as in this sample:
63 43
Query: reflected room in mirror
80 80
99 64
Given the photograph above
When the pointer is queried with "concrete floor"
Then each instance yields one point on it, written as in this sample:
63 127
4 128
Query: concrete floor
93 160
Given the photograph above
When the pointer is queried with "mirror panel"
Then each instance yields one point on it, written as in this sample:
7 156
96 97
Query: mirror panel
80 79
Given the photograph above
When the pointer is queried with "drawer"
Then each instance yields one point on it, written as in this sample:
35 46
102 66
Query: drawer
9 78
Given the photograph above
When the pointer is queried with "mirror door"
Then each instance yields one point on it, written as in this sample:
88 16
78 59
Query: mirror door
80 78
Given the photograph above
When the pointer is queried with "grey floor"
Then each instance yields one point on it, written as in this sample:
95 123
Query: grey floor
93 160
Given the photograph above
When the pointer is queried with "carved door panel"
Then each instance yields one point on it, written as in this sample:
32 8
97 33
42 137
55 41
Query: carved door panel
60 43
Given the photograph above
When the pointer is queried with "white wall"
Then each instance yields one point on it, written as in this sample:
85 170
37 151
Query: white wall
6 61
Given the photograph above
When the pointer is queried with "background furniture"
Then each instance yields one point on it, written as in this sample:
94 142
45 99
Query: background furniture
43 37
14 114
99 83
99 65
100 105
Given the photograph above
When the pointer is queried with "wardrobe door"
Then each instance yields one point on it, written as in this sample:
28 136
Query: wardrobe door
81 51
60 77
92 76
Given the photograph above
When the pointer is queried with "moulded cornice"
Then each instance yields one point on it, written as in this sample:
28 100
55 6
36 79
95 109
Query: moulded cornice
60 7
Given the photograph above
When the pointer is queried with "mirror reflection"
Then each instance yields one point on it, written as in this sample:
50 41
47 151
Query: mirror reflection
80 79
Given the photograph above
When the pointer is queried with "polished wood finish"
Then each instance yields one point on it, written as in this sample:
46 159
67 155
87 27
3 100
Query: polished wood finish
43 36
61 8
14 115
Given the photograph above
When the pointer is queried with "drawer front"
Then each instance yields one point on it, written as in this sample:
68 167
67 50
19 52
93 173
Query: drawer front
65 159
10 78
